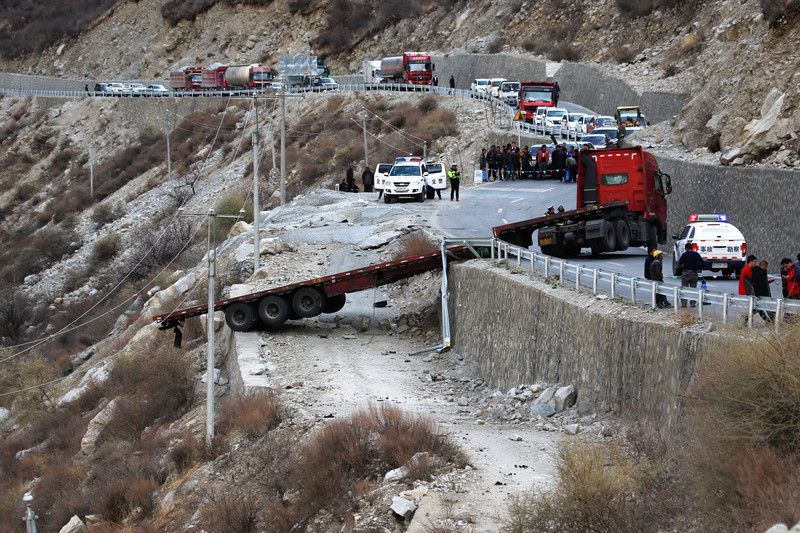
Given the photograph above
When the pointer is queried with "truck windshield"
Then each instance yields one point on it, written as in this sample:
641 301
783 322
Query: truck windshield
262 76
537 94
422 66
405 171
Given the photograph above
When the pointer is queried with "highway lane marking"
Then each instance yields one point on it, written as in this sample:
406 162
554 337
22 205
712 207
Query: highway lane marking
500 210
616 264
504 221
517 200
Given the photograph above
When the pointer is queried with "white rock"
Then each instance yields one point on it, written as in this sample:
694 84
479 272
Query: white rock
514 437
778 528
4 414
403 507
75 524
96 426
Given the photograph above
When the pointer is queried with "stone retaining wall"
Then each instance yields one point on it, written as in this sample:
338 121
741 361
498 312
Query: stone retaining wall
518 330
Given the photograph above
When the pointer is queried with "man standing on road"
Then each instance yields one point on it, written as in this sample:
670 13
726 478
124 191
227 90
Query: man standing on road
435 80
657 274
761 283
542 158
455 178
350 179
452 83
745 278
368 179
691 263
482 163
647 262
556 93
490 159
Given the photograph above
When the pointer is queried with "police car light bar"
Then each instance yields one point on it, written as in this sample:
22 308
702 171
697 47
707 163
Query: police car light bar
708 218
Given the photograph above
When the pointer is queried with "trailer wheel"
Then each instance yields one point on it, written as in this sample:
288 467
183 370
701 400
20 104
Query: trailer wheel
240 316
623 234
554 250
572 250
273 310
308 302
334 303
609 237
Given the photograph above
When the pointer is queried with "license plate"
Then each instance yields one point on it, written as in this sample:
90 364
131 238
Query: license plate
719 265
544 241
402 190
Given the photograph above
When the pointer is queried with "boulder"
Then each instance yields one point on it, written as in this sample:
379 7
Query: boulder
564 398
402 507
778 528
273 246
239 228
542 410
546 396
75 525
96 426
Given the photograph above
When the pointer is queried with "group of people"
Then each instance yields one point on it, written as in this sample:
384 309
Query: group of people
754 279
509 162
349 184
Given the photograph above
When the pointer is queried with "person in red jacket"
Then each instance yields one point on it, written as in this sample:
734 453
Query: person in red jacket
792 287
542 159
746 277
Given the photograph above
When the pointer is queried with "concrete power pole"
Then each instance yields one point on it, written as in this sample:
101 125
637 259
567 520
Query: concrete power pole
212 274
366 152
91 171
169 154
256 232
283 145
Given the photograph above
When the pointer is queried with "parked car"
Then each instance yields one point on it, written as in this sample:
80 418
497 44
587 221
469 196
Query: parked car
553 116
102 89
570 121
494 86
720 243
156 90
583 122
480 85
325 84
598 121
137 89
116 89
610 131
596 141
509 92
381 173
538 118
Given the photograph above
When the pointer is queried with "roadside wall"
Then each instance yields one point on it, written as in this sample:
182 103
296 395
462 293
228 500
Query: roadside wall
580 84
761 202
517 330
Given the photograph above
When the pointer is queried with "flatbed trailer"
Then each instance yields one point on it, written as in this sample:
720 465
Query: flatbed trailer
314 296
521 233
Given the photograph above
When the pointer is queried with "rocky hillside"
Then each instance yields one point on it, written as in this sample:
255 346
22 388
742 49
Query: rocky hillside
727 55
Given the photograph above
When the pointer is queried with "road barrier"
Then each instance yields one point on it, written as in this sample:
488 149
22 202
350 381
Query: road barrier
727 306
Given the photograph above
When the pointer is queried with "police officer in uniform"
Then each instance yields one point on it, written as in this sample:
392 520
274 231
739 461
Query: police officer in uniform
455 178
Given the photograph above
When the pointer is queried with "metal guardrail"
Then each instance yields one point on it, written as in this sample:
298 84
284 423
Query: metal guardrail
637 290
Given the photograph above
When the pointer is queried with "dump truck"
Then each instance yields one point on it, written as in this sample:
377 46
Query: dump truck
533 95
187 79
621 202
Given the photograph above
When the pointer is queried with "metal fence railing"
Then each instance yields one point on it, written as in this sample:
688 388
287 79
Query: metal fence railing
728 307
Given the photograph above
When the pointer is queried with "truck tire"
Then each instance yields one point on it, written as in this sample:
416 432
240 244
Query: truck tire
572 249
623 234
609 238
273 310
240 316
308 302
334 303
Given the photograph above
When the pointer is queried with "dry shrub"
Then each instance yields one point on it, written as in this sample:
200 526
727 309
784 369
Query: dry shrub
536 45
564 52
599 488
187 452
233 513
156 384
414 244
254 414
364 446
106 213
439 123
744 410
624 54
775 12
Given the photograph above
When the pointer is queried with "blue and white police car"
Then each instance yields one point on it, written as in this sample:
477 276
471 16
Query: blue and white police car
721 245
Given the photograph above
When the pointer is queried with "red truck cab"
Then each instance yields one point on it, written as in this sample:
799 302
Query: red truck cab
533 95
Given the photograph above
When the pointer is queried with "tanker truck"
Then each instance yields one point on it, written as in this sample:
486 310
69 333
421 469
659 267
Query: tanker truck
411 67
248 77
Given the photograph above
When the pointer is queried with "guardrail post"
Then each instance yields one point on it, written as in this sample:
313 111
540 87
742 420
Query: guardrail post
675 291
653 295
546 266
633 289
750 305
519 256
725 308
594 281
613 285
700 299
778 309
578 278
494 242
505 253
561 272
533 262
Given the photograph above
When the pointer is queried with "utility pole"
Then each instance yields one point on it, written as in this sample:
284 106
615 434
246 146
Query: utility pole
30 517
256 232
366 153
91 171
272 142
424 151
212 274
169 154
283 145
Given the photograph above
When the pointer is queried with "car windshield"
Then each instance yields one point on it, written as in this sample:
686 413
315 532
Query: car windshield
595 140
603 121
605 131
556 113
411 170
537 94
327 80
573 118
481 82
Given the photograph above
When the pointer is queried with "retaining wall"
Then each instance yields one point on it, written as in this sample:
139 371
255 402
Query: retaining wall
516 330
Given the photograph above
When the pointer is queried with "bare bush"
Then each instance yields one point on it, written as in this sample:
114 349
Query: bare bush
236 513
104 250
414 244
254 414
105 213
15 311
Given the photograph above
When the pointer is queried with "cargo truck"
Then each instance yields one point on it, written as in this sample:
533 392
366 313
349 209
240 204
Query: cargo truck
621 202
187 79
372 72
533 95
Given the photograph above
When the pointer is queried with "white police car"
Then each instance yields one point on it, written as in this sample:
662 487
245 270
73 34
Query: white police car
720 244
406 179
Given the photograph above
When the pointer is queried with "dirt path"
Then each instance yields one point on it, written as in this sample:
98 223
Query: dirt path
332 372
